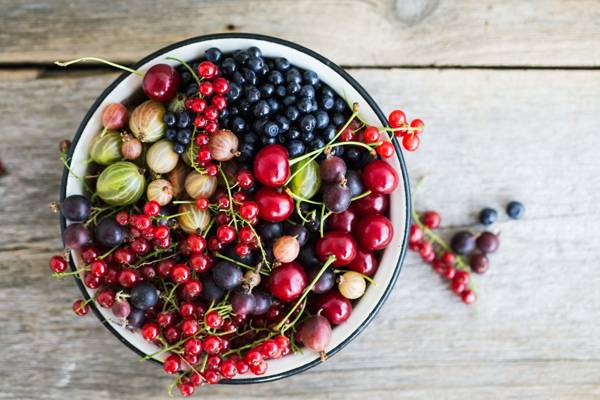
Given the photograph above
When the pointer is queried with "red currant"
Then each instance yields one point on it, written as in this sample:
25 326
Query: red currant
140 246
212 345
220 102
431 219
196 243
186 389
254 357
213 319
161 232
58 264
259 369
449 258
211 377
211 169
211 127
211 113
385 149
191 289
242 249
192 346
150 331
417 126
206 88
225 234
122 218
189 327
164 319
200 121
207 69
201 139
468 296
172 364
411 142
371 134
416 234
221 85
180 273
151 208
187 310
397 119
171 334
201 203
106 298
249 210
213 362
195 104
204 154
245 179
128 277
80 307
246 235
200 262
98 268
228 369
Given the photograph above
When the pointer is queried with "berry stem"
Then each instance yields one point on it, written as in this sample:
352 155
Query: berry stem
302 199
360 196
187 66
241 264
233 216
112 64
330 260
295 321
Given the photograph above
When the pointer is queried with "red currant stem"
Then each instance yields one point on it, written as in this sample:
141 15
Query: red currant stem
295 321
142 261
301 199
315 153
368 146
405 127
170 297
112 64
300 214
323 218
365 277
174 215
71 273
187 66
360 196
249 346
330 260
231 260
66 162
210 224
109 252
263 253
189 365
233 216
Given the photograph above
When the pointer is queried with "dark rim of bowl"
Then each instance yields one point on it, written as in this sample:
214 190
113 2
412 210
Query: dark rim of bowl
346 77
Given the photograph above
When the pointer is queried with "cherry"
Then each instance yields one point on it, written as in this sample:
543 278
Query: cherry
385 150
180 273
288 281
213 319
80 307
335 307
374 232
271 165
207 70
487 242
58 264
150 331
273 206
161 82
343 221
431 219
339 244
364 263
172 364
106 298
415 234
373 203
380 177
479 263
212 344
411 142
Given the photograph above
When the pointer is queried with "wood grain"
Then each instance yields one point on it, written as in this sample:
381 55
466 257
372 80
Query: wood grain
491 136
349 32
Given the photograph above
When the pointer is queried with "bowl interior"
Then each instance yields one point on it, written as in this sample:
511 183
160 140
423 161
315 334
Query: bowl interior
390 264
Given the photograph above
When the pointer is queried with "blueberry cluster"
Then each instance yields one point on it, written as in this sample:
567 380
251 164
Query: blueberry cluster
272 101
179 129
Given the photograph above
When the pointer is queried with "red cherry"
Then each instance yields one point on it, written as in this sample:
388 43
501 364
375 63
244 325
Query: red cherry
288 281
339 244
58 264
380 177
415 234
271 165
180 273
371 134
411 142
273 206
373 203
106 298
207 69
80 307
150 331
248 210
172 364
161 82
343 221
385 150
374 232
335 307
364 263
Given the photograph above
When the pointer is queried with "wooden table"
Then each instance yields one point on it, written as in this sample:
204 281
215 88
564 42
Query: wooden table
510 92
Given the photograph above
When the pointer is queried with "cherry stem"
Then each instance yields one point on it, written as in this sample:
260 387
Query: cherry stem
187 66
295 321
360 196
112 64
330 260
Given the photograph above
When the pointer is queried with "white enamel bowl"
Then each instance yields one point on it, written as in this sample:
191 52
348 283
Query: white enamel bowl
385 278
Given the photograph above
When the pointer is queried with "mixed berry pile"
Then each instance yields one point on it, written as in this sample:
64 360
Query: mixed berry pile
233 215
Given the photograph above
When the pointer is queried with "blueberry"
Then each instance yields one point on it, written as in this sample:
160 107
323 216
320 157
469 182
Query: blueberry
269 140
263 71
170 119
340 105
328 132
294 133
307 91
307 123
266 90
282 122
184 119
254 51
184 136
295 148
233 110
186 76
228 66
275 77
249 76
143 296
178 148
270 230
304 105
261 109
224 113
289 100
293 75
352 155
259 124
252 94
292 113
191 90
307 137
238 125
314 106
247 150
271 129
282 64
317 143
326 91
234 91
255 63
515 209
282 138
238 78
251 137
244 106
488 216
293 87
338 119
280 91
240 56
322 119
213 54
310 77
171 134
273 104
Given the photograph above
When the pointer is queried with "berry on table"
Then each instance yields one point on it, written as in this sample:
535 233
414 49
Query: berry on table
515 209
488 216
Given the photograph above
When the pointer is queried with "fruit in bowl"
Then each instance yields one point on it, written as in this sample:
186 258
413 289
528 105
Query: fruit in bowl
238 210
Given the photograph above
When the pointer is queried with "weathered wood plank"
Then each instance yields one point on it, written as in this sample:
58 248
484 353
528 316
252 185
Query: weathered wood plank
492 136
350 32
